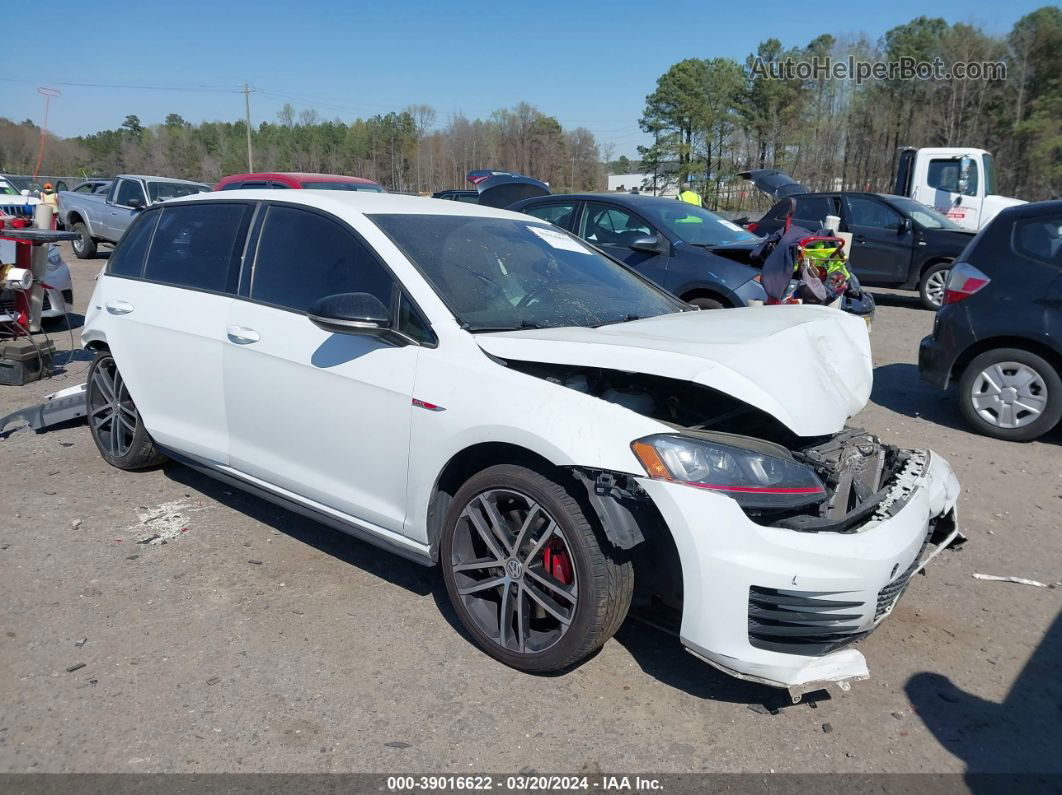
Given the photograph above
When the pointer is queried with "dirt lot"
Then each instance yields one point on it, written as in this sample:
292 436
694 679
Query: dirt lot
256 640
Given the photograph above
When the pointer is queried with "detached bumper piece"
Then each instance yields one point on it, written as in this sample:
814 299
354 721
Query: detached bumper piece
803 622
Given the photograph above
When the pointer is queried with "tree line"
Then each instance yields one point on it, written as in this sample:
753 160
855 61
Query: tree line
711 118
404 151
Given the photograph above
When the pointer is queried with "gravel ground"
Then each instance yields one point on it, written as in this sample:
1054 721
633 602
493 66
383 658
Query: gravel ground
256 640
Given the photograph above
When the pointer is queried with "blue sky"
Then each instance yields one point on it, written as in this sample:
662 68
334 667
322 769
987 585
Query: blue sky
588 64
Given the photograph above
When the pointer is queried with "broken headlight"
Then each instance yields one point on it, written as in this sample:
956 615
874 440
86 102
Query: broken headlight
753 478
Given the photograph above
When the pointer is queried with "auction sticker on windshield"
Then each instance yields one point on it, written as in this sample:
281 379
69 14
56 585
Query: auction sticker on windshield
558 240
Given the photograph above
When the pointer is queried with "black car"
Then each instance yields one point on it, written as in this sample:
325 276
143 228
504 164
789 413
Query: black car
896 241
691 252
470 196
999 333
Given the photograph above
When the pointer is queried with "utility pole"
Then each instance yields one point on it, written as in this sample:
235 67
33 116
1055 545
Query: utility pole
247 109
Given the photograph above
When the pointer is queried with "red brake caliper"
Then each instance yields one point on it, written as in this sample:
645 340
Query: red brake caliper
557 562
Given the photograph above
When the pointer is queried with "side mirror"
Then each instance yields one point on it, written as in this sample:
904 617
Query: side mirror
651 243
905 226
351 313
136 203
965 168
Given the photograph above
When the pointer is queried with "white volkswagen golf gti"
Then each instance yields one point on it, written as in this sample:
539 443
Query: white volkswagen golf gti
480 390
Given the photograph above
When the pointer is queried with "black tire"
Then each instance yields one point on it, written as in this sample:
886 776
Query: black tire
706 303
84 246
129 446
603 582
931 288
1048 382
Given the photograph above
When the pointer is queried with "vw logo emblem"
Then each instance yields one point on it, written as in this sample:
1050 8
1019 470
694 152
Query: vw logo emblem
514 568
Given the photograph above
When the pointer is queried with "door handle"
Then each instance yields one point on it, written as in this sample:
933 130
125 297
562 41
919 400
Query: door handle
242 335
119 307
860 239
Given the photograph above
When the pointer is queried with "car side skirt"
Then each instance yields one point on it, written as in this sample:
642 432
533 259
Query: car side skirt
407 548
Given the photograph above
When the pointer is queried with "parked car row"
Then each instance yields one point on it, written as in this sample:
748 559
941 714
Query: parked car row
896 241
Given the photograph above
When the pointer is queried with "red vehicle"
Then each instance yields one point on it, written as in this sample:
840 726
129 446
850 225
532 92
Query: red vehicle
295 179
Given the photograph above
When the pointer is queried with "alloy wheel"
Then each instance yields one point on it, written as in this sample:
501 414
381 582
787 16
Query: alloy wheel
112 416
935 285
514 571
1009 395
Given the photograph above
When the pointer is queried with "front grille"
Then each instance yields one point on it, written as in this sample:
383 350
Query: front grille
888 595
7 301
802 622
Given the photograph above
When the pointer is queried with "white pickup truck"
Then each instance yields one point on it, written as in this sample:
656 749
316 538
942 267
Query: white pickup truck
956 181
104 219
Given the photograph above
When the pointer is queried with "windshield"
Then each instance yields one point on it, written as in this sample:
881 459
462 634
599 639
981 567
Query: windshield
342 186
7 189
926 216
698 227
171 190
497 274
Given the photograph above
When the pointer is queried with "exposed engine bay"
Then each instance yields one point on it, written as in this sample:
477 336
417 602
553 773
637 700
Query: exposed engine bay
855 466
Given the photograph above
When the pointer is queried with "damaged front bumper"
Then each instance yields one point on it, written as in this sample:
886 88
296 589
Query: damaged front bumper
781 607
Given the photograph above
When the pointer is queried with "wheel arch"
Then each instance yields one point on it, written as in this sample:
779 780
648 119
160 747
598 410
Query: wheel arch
934 259
622 523
706 292
1041 349
466 463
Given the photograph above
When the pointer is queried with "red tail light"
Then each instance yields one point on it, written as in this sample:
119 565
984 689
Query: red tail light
752 226
963 281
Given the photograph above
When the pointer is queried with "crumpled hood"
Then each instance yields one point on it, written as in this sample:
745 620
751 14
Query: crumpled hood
808 366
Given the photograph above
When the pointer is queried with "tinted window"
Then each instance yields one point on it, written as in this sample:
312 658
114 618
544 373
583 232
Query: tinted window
497 273
342 186
811 211
128 256
559 214
303 256
605 225
172 190
199 246
128 190
411 323
232 186
87 187
867 212
1040 238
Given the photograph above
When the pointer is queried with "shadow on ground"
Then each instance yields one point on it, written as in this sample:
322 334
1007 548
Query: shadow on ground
657 653
904 300
899 388
1022 734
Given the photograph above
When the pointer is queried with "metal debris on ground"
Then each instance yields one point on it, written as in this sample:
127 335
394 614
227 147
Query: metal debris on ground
80 643
397 744
75 667
1018 580
59 407
827 728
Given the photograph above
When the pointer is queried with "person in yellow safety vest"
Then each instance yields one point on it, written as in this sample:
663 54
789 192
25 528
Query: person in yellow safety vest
50 198
689 196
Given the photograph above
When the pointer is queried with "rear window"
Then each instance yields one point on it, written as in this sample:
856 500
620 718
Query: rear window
1039 239
811 211
128 256
199 246
342 186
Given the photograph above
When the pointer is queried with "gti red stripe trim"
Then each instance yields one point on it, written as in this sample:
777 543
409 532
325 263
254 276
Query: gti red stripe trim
423 404
758 489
